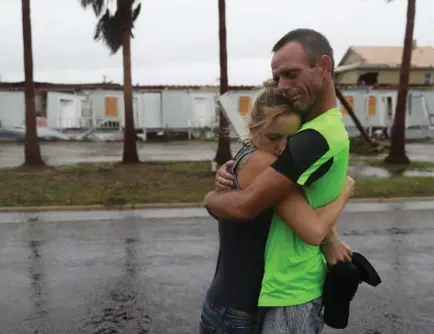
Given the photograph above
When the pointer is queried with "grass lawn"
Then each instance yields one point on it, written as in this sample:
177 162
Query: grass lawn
170 182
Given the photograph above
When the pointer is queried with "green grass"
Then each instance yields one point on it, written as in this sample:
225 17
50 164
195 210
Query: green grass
169 182
87 184
358 145
394 187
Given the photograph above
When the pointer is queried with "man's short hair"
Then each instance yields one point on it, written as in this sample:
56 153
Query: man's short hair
314 43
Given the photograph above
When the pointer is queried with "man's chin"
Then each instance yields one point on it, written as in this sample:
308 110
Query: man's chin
302 109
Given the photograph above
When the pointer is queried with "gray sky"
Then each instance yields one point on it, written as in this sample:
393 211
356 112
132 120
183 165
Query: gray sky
176 41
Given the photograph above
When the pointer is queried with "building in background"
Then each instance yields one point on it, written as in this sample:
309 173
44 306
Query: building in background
378 67
89 110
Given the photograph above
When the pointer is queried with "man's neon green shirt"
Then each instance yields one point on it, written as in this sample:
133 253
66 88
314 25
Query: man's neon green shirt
294 270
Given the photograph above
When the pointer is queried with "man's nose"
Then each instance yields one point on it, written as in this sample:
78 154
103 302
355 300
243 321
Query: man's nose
284 84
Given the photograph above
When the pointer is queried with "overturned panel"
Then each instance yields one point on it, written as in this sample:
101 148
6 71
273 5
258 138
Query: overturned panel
232 113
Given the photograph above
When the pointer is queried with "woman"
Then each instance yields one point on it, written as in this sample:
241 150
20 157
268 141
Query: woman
231 301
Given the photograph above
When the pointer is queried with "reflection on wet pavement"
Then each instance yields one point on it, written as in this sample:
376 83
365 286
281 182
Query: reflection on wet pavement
147 271
12 155
361 170
122 306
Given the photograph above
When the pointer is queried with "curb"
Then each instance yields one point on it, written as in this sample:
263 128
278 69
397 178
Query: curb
99 207
191 205
390 200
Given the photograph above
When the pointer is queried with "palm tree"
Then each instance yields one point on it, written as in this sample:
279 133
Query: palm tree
32 151
397 153
115 30
223 153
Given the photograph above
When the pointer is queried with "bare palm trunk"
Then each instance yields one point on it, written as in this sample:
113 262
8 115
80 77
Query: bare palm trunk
32 151
397 153
130 155
353 116
223 153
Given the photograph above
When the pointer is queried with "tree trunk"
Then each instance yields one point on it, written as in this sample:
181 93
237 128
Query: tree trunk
32 151
130 155
223 153
397 153
353 116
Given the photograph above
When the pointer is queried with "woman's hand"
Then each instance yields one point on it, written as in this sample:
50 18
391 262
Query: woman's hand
336 252
224 180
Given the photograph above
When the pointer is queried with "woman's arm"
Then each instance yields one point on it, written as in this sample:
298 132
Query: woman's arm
310 225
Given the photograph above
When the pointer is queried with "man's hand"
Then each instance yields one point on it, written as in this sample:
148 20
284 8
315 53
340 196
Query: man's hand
224 181
337 251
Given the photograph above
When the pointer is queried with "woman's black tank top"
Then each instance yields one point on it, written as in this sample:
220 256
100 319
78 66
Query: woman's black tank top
240 264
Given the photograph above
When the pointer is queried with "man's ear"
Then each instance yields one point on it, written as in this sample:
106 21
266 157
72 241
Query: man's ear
325 63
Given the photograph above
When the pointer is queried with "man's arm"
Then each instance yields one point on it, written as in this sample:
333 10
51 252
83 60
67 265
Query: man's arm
302 162
269 188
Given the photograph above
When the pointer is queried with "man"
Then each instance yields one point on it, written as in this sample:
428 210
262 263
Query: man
315 160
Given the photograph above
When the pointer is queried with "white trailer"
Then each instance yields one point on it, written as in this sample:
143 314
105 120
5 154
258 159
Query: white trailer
376 110
64 111
12 109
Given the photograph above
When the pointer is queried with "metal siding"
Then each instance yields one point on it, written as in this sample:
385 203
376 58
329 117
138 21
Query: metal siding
176 109
56 117
358 106
243 94
429 98
52 111
152 115
235 102
12 108
238 123
98 106
417 111
98 103
203 112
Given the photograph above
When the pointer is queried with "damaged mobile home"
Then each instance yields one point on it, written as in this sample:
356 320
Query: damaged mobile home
86 109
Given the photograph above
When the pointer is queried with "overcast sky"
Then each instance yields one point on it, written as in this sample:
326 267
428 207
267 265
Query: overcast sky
176 41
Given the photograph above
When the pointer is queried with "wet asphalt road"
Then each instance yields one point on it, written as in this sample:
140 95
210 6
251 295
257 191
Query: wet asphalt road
147 271
61 153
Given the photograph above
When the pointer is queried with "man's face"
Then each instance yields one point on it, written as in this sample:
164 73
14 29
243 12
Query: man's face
302 84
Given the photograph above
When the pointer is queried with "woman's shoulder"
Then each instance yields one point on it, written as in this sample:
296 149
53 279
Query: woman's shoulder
257 159
252 165
245 154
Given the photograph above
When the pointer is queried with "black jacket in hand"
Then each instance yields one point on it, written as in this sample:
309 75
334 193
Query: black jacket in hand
340 286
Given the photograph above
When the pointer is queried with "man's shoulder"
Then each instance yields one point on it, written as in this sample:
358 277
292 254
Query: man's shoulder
308 142
327 127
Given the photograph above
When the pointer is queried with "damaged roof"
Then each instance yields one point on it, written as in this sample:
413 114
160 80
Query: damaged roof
385 57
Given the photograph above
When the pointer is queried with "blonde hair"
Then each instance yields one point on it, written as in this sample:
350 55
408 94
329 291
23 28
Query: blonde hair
269 103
